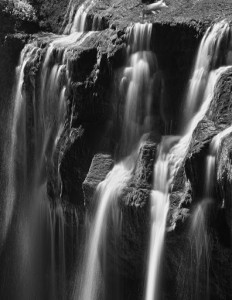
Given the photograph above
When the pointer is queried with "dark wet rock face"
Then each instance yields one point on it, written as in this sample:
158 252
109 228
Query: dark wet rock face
99 168
91 109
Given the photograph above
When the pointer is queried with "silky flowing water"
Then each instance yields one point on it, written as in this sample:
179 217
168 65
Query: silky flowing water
136 83
35 227
199 96
31 150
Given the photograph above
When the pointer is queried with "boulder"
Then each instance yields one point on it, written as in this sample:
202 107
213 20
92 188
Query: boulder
99 168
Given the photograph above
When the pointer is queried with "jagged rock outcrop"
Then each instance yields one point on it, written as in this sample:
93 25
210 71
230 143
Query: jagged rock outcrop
100 167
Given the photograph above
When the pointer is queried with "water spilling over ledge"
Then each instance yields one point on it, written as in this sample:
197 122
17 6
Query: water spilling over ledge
107 192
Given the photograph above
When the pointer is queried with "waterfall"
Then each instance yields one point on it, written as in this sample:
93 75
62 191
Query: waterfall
33 145
179 151
77 20
199 237
37 122
200 94
108 193
136 85
26 54
33 241
208 58
207 70
159 210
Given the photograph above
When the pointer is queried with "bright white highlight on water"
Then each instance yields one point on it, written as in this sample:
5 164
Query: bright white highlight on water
137 82
206 60
77 20
199 97
108 192
159 211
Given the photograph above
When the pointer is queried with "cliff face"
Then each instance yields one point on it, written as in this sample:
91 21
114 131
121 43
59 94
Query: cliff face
88 146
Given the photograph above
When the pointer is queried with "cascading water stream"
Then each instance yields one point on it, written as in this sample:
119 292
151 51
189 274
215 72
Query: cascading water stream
77 16
108 193
35 145
207 59
32 150
11 152
199 237
159 210
136 84
199 96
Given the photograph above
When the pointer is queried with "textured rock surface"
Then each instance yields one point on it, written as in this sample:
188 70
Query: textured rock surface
100 167
51 14
198 14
